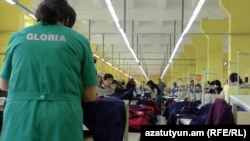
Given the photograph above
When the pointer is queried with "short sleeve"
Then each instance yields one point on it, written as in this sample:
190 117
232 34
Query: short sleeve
89 76
7 62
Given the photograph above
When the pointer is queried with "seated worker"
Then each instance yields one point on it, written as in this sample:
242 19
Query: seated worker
231 87
117 86
214 87
167 91
106 89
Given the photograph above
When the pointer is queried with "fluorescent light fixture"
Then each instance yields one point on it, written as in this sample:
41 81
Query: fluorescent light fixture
18 4
191 20
116 20
115 68
96 56
32 15
126 74
225 63
11 2
143 72
109 63
166 68
175 49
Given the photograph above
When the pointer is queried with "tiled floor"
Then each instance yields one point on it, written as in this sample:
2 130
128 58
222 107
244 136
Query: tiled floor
132 136
161 120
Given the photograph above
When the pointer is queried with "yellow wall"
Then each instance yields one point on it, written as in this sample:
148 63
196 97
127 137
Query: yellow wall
10 23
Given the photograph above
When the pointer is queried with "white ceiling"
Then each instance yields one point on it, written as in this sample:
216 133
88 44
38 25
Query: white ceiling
152 28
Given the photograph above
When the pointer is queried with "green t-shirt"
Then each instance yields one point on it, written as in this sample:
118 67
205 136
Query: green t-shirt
47 67
48 58
162 85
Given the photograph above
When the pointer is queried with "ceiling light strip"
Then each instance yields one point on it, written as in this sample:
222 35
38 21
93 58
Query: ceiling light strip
143 72
108 63
29 12
191 20
116 20
11 2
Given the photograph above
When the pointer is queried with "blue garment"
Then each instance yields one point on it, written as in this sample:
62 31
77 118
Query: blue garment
126 94
201 116
185 109
106 119
158 98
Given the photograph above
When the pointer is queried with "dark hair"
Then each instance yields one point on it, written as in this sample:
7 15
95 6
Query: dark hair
52 11
150 83
175 84
115 82
234 78
70 17
131 83
211 83
94 60
122 82
107 75
216 82
153 86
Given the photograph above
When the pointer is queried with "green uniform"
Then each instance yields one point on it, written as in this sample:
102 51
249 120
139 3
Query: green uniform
47 67
162 85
